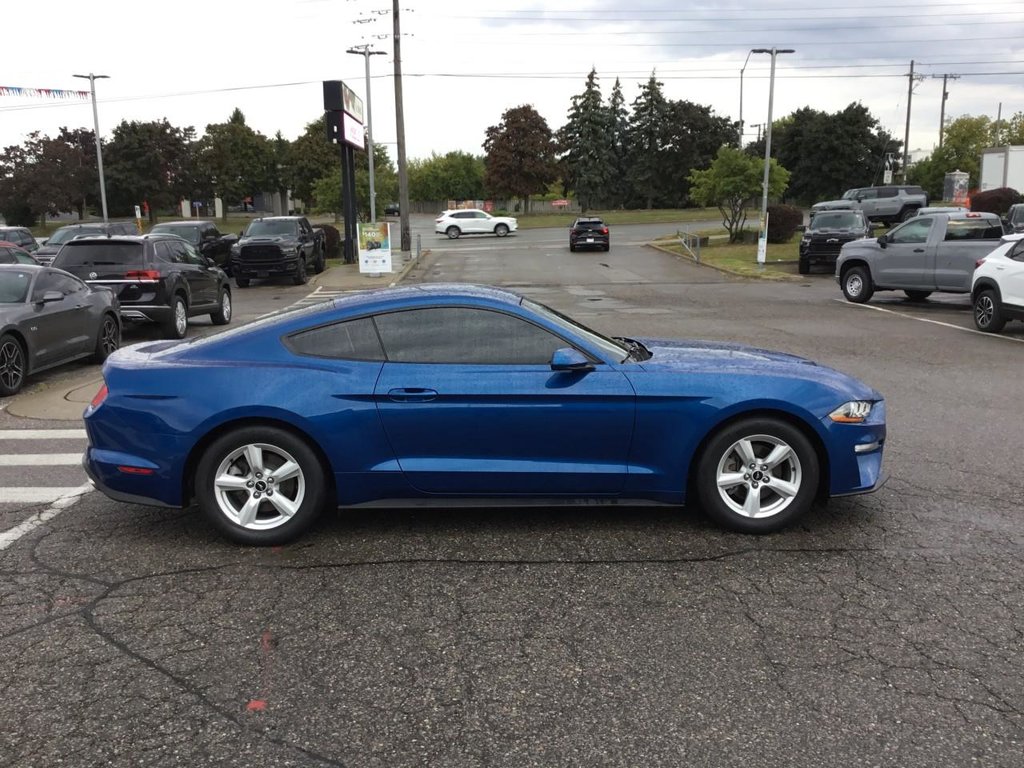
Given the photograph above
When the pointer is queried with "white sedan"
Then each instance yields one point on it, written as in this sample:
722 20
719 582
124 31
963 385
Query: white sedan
473 221
998 288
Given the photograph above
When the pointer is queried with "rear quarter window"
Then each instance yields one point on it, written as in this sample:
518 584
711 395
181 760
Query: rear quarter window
349 340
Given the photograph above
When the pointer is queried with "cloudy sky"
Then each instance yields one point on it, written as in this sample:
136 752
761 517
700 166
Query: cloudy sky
465 61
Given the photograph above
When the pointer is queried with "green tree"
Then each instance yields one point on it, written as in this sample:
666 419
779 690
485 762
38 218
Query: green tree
453 176
828 153
1011 131
587 142
618 120
647 141
963 141
234 160
310 158
520 155
732 182
693 135
327 189
147 161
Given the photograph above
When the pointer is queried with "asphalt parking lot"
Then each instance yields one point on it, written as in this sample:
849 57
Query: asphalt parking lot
883 630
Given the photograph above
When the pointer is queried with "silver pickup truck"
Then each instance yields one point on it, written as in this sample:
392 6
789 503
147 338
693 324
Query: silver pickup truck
930 253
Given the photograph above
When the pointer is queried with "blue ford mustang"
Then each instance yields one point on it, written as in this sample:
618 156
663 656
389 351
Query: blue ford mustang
444 392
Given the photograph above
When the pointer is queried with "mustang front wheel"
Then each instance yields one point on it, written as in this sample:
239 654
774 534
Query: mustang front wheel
757 475
260 485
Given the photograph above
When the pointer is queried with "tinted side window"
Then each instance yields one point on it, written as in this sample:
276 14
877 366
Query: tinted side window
1017 252
163 252
351 340
6 256
867 194
54 281
887 192
914 231
973 229
464 335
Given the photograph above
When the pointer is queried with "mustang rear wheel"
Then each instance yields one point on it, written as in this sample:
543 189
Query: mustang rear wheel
260 485
757 475
12 365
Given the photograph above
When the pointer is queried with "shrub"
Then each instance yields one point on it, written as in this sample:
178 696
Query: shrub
332 240
995 200
782 222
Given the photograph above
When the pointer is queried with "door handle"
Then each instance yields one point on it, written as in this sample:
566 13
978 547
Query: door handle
412 395
919 250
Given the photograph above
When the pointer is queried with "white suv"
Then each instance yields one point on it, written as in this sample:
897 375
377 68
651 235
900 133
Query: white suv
472 221
997 291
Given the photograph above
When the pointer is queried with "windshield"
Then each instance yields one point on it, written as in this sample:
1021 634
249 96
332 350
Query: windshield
840 220
64 234
613 349
14 286
271 228
188 232
849 194
1017 215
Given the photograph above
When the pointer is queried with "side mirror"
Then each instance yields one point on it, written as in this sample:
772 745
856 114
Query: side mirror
801 227
44 241
569 359
883 241
51 296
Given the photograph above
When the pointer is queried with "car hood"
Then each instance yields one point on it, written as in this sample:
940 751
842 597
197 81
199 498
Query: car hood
832 204
266 240
46 250
832 231
714 357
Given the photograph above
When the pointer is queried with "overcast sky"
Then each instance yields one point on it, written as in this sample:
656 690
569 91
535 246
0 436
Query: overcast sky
466 61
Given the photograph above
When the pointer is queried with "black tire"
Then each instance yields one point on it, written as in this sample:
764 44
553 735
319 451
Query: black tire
761 485
803 266
108 339
223 314
174 328
857 285
988 313
227 508
12 365
453 232
300 277
607 247
918 295
906 213
501 230
242 282
319 263
572 247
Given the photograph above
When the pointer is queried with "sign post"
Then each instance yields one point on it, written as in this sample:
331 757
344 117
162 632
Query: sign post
343 115
138 218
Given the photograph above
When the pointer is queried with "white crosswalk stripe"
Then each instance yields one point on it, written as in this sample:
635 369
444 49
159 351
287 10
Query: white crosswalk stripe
40 466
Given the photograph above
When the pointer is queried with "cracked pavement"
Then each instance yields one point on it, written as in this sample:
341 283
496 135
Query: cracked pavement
884 630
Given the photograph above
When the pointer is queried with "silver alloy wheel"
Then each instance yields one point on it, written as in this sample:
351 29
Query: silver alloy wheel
180 318
12 365
854 284
259 486
759 476
109 337
225 306
984 309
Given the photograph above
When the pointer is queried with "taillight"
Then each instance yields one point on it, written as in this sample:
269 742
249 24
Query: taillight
142 274
604 230
978 263
100 397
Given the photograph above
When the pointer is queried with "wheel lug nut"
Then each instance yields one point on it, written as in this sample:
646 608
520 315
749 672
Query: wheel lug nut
256 495
250 484
753 466
752 485
270 480
270 493
764 466
259 475
746 476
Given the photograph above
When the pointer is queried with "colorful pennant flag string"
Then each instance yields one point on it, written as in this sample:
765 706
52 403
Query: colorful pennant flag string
42 93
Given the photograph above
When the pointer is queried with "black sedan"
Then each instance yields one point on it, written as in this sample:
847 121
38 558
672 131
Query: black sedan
47 318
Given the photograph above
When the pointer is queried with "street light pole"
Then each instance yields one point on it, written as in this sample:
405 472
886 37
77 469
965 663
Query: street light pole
366 53
741 94
96 128
762 240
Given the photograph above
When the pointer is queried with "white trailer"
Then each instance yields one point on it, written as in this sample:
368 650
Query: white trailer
1002 167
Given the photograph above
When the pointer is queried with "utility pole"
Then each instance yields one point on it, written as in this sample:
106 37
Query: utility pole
762 240
741 97
403 175
942 110
96 128
906 136
759 126
366 53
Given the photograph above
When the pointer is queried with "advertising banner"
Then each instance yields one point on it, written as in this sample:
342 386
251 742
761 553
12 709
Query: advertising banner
375 248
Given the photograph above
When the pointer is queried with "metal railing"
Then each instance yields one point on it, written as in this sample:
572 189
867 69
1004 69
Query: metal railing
690 243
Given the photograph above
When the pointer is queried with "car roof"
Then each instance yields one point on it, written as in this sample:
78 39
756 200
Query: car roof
123 238
185 223
9 244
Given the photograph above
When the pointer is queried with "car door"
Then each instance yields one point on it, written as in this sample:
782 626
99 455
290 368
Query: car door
956 257
904 262
471 406
1011 279
59 328
203 280
868 200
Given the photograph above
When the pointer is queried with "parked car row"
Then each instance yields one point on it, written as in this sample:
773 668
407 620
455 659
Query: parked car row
956 252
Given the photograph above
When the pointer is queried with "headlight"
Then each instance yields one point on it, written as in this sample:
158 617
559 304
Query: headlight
236 249
805 239
853 412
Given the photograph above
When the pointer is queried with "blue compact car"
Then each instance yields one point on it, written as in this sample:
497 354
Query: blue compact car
439 392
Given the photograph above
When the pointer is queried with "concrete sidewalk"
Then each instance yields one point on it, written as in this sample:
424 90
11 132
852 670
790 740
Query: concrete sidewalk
65 399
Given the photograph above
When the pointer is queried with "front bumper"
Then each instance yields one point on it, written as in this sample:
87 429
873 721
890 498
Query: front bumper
855 454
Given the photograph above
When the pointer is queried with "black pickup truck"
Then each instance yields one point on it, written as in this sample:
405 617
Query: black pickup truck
278 246
825 235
